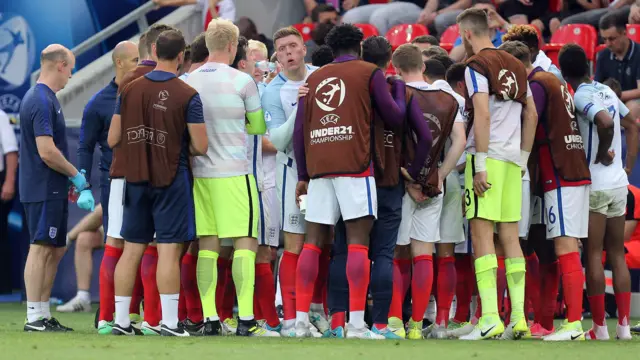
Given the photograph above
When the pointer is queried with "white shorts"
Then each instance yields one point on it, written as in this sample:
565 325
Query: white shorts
291 220
465 247
537 210
451 228
612 202
269 221
328 199
420 222
525 212
116 208
566 211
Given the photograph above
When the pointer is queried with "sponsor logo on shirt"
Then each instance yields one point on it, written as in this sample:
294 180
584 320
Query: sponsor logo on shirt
573 142
149 135
162 96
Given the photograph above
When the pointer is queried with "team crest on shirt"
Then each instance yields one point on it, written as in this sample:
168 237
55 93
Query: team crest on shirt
330 94
568 103
267 116
294 219
509 85
53 231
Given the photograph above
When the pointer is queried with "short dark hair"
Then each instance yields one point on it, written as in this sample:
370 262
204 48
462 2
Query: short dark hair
319 33
443 59
455 73
613 19
376 50
614 85
170 44
286 31
573 61
241 54
426 39
344 38
187 53
151 35
142 46
434 70
433 51
199 51
321 8
322 56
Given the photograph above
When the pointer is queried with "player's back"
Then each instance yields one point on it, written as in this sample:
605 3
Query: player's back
589 100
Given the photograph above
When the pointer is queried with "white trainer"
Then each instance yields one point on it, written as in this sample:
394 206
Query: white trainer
288 331
463 330
319 321
302 330
75 305
623 332
437 332
362 333
597 333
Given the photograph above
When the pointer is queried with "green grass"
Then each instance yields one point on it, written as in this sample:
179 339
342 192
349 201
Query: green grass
84 343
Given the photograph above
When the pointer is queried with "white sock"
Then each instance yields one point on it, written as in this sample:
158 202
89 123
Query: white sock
84 295
302 317
317 308
122 311
356 318
44 309
288 323
33 311
169 304
278 294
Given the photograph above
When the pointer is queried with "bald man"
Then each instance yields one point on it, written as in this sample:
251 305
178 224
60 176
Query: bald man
94 129
44 176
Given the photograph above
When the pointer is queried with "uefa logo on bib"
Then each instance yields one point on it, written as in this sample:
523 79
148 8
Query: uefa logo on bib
17 51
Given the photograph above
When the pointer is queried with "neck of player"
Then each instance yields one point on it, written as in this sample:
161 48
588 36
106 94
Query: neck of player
575 83
220 57
170 66
481 44
297 74
413 77
50 81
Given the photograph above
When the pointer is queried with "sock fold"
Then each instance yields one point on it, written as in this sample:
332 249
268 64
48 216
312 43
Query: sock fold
486 267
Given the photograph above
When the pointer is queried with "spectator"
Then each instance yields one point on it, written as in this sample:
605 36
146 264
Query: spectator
551 22
634 13
324 13
339 5
249 30
524 11
620 60
592 17
440 14
211 9
317 38
425 41
322 56
497 25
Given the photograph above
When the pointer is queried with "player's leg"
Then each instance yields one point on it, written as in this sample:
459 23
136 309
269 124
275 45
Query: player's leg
188 280
152 305
226 288
317 315
338 297
594 245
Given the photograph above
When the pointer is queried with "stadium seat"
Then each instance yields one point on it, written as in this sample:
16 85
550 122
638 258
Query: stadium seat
633 32
555 6
368 30
402 34
449 37
581 34
598 49
305 30
390 70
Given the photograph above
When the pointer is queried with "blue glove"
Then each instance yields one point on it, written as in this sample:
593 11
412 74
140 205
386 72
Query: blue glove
79 181
86 201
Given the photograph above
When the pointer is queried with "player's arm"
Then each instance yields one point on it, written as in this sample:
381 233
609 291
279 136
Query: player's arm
631 134
267 146
280 127
49 153
458 142
198 142
597 113
392 109
91 222
90 131
115 128
478 89
255 116
423 136
529 124
631 94
298 142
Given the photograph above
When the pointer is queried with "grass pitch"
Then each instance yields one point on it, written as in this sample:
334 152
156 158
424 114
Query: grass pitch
84 343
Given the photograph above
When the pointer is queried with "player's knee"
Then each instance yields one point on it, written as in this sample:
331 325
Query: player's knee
565 245
116 243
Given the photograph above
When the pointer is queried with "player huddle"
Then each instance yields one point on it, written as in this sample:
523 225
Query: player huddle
428 181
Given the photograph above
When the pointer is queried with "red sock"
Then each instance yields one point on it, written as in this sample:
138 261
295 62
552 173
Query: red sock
107 291
287 274
265 292
190 286
464 287
532 285
221 285
338 319
478 313
307 273
421 285
358 273
257 312
501 279
550 279
229 295
446 288
320 285
623 301
182 304
136 295
572 283
148 267
596 303
401 281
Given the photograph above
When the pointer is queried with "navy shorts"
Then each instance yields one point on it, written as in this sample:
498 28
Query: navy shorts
168 211
47 222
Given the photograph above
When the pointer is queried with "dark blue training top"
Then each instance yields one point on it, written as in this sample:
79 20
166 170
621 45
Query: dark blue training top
95 129
41 115
194 113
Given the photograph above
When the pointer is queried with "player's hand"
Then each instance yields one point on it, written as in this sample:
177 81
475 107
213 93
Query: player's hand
426 17
605 159
406 175
526 2
86 201
349 4
480 184
79 181
415 192
303 90
301 189
8 191
441 179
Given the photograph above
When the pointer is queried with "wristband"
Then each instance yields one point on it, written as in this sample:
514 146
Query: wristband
524 159
480 162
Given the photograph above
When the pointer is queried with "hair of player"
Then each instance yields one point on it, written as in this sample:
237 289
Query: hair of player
407 58
321 8
170 44
344 38
286 31
525 33
199 52
614 85
377 50
152 34
444 59
434 70
320 32
241 54
475 20
433 51
187 53
519 50
220 34
259 46
573 61
142 46
322 56
54 56
426 39
274 57
247 27
613 19
455 74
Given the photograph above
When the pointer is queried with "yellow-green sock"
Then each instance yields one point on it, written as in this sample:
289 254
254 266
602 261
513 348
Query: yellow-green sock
244 277
207 278
515 270
486 277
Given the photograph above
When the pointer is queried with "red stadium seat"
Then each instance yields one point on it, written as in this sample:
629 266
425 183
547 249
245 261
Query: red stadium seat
449 37
581 34
598 49
402 34
555 6
633 31
305 30
368 30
